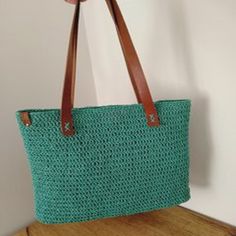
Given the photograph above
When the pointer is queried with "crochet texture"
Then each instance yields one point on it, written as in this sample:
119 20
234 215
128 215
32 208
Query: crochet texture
114 165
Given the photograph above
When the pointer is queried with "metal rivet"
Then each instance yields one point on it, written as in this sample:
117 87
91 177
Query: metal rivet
25 118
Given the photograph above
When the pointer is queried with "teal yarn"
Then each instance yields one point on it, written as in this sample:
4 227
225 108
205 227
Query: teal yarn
114 165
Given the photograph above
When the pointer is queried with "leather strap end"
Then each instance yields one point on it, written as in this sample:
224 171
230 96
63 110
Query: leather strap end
153 120
25 118
67 126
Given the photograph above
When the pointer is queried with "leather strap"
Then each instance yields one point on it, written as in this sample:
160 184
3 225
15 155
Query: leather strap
133 64
67 126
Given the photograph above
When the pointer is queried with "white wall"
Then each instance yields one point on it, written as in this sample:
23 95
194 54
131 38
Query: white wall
33 44
187 48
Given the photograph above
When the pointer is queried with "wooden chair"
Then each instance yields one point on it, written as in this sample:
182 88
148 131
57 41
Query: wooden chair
175 221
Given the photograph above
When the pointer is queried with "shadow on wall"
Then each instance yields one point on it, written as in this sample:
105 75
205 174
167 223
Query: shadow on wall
183 59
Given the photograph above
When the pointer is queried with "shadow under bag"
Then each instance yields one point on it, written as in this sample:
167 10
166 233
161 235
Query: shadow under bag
96 162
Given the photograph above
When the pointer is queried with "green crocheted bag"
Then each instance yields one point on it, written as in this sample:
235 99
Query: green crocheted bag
96 162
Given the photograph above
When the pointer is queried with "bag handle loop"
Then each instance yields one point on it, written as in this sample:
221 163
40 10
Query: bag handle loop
136 73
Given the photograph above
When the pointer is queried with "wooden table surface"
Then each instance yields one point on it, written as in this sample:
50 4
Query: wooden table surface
175 221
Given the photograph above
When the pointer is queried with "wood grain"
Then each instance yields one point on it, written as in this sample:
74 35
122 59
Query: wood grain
176 221
22 232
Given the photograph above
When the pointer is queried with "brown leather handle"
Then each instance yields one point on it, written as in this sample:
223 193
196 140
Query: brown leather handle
133 64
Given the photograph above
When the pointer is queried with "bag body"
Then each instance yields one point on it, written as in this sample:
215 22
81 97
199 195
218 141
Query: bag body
112 164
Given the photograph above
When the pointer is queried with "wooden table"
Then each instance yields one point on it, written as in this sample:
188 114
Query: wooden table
175 221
